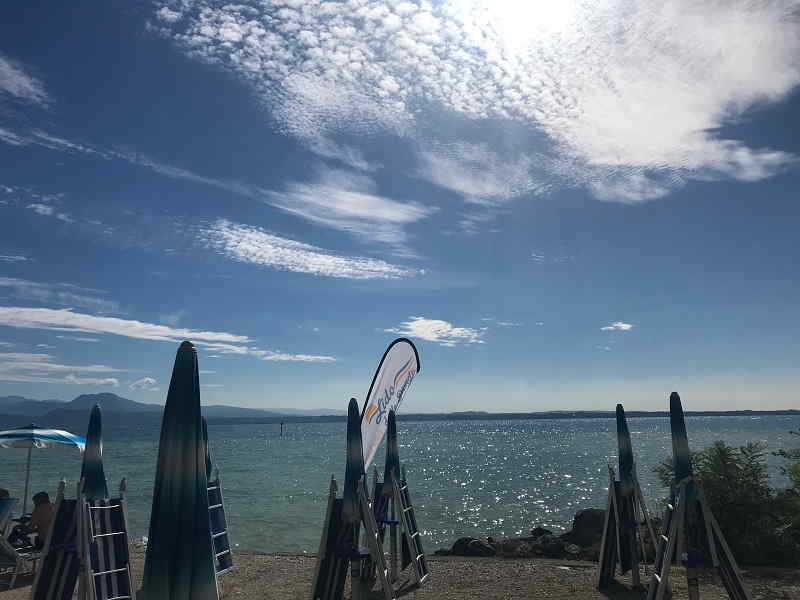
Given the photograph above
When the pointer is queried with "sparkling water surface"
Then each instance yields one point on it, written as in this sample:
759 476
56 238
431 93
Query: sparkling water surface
478 478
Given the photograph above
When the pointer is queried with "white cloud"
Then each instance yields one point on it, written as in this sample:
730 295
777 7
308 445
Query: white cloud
509 324
542 258
48 140
67 320
145 384
617 326
478 173
78 339
70 321
441 332
10 258
42 209
37 137
25 367
584 79
12 138
60 294
338 199
335 198
286 357
72 379
348 202
253 245
46 210
18 84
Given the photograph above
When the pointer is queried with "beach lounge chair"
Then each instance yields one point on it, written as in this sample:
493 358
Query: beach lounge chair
335 547
103 530
13 560
412 551
223 557
392 507
345 519
6 512
624 531
58 574
691 533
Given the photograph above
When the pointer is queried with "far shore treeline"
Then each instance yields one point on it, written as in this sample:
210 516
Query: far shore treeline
117 409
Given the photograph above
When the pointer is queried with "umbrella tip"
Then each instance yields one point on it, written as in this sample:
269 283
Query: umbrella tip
186 346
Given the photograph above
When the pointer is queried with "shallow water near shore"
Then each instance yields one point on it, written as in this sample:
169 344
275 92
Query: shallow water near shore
476 478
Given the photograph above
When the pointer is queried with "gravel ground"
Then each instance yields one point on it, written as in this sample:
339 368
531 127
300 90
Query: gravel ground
288 577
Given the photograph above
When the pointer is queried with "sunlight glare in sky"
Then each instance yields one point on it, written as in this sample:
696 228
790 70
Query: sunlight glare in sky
518 22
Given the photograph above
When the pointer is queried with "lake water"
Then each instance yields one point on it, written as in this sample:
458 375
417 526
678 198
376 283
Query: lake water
496 478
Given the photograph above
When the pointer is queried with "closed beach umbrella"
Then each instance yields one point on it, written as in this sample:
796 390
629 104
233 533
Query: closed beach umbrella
92 474
179 564
31 437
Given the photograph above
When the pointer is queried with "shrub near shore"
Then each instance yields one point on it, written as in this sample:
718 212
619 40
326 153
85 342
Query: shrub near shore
761 524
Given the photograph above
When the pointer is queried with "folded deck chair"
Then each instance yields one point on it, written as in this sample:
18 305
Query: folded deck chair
223 557
58 574
335 550
12 559
103 527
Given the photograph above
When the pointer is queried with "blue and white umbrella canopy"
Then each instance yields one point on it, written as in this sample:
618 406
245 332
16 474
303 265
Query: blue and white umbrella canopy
31 437
92 473
39 437
179 564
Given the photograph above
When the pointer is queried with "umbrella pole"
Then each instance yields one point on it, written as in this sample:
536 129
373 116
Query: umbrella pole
27 480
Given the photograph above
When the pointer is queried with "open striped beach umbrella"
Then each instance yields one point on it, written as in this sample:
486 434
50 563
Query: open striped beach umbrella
92 474
179 564
31 437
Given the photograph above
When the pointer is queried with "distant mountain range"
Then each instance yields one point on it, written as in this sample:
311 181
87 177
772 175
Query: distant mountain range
50 411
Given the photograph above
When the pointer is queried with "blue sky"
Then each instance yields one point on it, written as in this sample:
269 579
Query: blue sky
565 207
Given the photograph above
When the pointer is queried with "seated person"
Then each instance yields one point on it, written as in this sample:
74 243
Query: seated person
41 517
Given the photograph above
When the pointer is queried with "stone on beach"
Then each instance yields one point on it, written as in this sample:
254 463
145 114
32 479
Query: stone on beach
469 546
540 531
587 527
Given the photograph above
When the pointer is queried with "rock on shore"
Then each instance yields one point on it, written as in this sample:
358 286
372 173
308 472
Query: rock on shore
582 542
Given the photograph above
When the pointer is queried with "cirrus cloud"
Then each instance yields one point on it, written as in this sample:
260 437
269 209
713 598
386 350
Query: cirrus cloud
249 244
16 83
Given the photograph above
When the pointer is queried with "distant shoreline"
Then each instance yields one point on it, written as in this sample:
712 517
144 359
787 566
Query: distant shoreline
78 417
487 416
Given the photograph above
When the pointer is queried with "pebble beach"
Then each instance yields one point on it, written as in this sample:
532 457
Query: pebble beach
288 577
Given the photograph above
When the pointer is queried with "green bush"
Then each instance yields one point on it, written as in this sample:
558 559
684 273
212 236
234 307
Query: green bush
759 523
792 470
